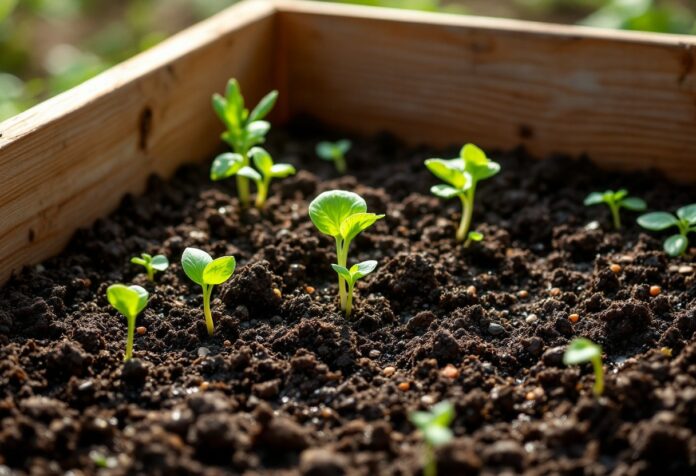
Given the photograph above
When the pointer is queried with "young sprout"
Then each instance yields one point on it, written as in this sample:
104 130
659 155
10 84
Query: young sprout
434 426
685 221
129 301
342 215
205 271
351 276
335 152
615 201
582 350
151 264
268 170
244 130
462 175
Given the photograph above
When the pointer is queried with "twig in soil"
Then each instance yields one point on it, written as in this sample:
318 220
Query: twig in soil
685 220
129 301
583 350
334 152
616 201
151 264
434 427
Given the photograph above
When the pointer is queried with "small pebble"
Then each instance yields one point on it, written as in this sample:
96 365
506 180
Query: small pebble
389 371
531 318
495 329
277 292
685 269
309 289
655 290
326 413
141 330
374 353
574 318
450 371
523 294
204 386
203 351
555 292
471 291
227 343
427 400
666 351
615 268
404 386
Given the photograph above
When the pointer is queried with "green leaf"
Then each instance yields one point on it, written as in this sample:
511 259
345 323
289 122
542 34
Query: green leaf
634 203
437 435
328 210
140 261
581 350
262 160
594 198
354 224
220 108
343 146
235 100
343 272
420 419
160 262
257 130
219 270
282 170
194 262
688 213
360 270
675 245
128 300
474 236
657 220
450 171
250 173
326 151
445 191
477 164
618 195
226 165
263 107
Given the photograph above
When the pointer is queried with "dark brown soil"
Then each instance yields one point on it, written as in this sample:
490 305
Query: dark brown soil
288 386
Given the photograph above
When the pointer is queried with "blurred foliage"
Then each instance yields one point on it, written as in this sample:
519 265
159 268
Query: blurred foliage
48 46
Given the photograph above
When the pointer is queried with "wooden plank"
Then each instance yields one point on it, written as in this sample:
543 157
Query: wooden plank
69 160
626 99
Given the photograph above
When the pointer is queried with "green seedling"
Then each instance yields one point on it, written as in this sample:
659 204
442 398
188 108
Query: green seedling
434 426
244 130
335 152
129 301
151 264
351 276
616 201
582 350
342 215
685 221
462 176
267 170
205 271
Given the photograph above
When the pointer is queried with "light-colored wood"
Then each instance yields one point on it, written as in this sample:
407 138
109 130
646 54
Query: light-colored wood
71 159
626 99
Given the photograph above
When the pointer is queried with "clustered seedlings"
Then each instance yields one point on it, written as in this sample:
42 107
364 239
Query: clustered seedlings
583 350
685 221
351 276
461 176
342 215
205 271
615 201
151 264
244 130
267 170
434 427
335 152
129 301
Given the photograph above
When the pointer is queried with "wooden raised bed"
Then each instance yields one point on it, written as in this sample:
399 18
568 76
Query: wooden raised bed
626 99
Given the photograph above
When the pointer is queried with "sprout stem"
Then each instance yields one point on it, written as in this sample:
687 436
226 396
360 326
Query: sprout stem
262 192
129 340
430 468
207 291
150 273
349 300
243 183
467 211
598 387
614 207
340 162
342 258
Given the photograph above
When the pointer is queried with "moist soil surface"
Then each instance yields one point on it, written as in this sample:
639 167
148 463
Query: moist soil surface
288 386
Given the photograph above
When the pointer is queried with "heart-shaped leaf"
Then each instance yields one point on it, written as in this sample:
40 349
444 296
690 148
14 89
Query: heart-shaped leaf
581 350
634 203
477 164
219 270
194 262
354 224
688 213
675 245
594 198
450 171
226 165
360 270
657 220
160 262
328 210
128 300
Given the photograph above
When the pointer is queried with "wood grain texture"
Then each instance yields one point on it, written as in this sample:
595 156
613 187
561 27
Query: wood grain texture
626 99
71 159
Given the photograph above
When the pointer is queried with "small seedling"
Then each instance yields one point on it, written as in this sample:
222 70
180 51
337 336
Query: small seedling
616 201
685 220
205 271
268 170
151 264
582 350
129 301
434 426
462 175
342 215
244 130
335 152
351 276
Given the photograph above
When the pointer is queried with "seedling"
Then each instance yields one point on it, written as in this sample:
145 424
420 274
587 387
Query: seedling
129 301
342 215
351 276
268 170
151 264
685 220
434 426
616 201
205 271
462 175
583 350
335 152
244 130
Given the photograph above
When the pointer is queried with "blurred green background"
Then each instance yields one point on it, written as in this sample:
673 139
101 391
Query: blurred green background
48 46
